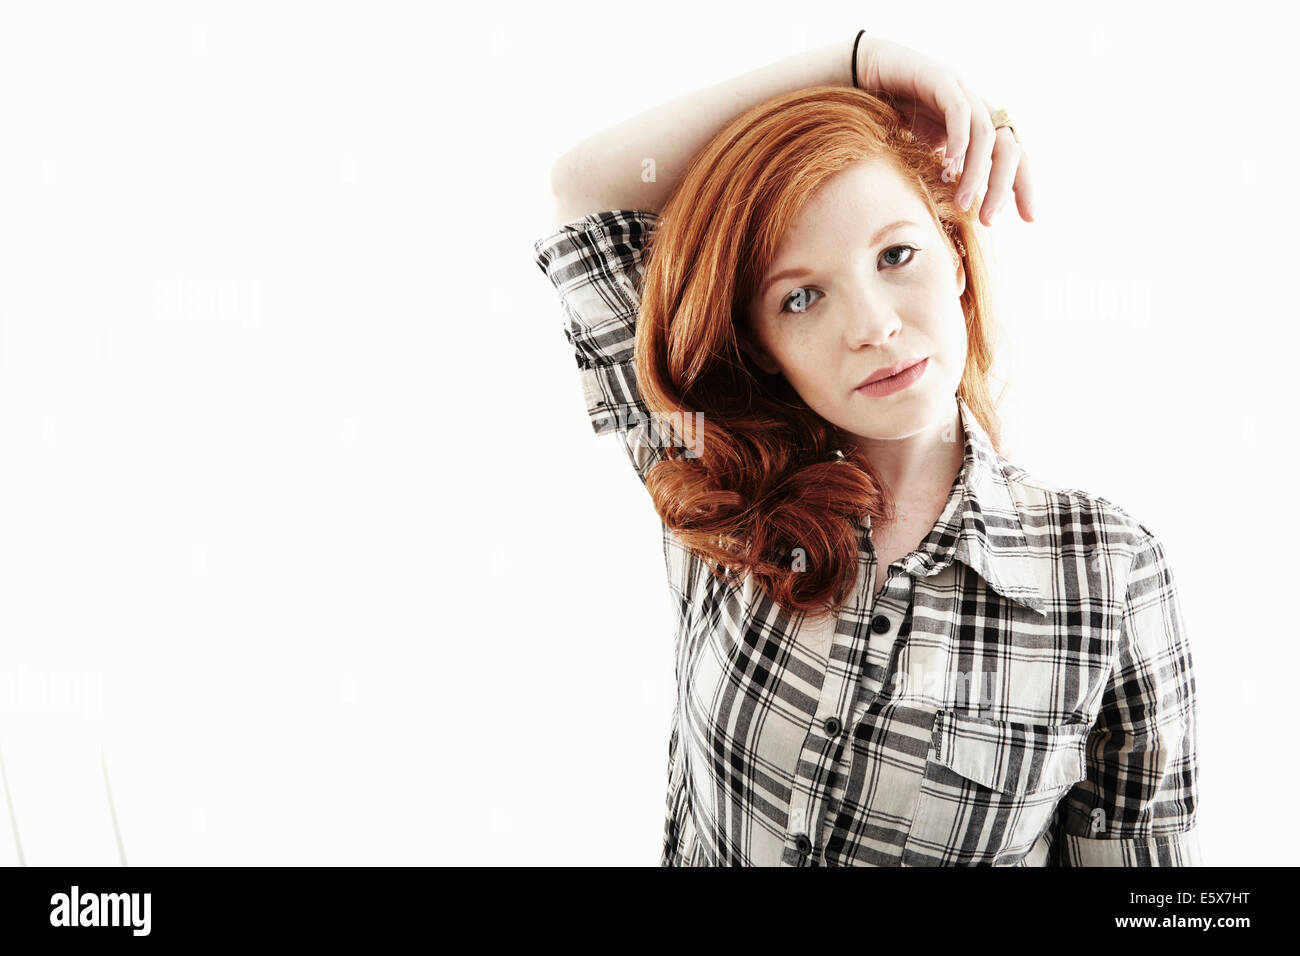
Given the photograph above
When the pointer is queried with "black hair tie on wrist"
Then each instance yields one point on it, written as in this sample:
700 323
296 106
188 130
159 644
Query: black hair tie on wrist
854 64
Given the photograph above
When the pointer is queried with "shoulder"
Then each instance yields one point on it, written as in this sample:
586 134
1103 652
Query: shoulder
1073 519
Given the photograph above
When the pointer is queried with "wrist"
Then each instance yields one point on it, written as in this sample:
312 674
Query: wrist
864 62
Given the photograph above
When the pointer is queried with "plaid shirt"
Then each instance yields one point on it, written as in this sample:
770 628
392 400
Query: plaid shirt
1020 693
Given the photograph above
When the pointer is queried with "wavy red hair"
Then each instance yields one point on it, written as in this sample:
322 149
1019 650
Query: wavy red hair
762 498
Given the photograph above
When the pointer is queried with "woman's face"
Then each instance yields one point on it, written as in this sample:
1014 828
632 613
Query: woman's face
864 280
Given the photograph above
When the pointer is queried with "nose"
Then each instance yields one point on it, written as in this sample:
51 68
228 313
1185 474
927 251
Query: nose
870 318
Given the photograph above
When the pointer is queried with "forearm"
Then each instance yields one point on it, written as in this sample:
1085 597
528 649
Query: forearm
605 171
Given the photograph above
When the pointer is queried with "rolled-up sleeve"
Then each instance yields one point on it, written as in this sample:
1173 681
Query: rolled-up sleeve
1137 806
595 263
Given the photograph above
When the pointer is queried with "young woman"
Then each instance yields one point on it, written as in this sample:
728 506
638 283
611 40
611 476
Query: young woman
894 646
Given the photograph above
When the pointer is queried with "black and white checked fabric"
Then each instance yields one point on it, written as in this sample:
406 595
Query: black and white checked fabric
1020 693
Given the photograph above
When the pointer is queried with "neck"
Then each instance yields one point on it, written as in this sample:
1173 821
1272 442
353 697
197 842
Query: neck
920 466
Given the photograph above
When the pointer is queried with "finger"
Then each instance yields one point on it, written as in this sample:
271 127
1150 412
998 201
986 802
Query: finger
952 104
979 157
1024 187
1006 159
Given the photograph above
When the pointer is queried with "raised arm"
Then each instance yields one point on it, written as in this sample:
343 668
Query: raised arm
605 170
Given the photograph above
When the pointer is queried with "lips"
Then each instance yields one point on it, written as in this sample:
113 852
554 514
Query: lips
891 370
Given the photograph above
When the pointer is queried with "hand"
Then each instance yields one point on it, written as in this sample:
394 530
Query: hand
946 114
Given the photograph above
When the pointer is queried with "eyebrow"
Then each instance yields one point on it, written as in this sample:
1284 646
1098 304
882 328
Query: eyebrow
797 272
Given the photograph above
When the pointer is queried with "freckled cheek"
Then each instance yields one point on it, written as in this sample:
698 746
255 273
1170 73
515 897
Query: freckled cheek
816 363
940 315
948 335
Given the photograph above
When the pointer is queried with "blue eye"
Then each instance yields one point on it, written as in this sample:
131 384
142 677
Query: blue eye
911 249
798 300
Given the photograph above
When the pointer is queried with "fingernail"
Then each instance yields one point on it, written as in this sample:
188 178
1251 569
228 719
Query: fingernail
963 200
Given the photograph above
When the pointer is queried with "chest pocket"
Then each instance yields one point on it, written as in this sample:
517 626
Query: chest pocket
990 789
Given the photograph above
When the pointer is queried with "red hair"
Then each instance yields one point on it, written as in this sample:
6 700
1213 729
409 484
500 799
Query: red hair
762 496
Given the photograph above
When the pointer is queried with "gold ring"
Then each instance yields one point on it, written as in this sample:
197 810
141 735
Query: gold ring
1000 119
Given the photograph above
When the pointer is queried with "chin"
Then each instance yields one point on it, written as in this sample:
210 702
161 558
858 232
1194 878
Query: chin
901 415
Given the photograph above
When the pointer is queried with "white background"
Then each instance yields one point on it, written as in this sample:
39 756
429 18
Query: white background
304 533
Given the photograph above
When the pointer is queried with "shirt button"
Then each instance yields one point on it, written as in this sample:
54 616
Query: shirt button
803 844
880 624
832 726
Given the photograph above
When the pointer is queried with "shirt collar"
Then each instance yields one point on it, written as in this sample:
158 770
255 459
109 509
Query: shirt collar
980 525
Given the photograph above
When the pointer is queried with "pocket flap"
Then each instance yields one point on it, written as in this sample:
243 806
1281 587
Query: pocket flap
1011 757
